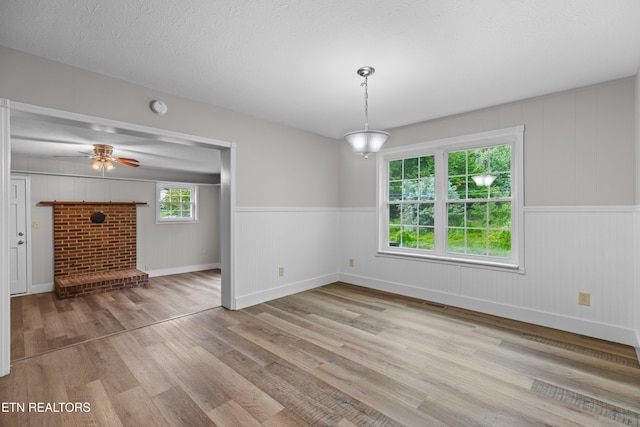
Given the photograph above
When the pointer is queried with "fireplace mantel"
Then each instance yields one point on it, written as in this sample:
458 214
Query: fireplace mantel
56 202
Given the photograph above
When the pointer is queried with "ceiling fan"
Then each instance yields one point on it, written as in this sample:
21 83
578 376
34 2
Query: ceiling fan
103 158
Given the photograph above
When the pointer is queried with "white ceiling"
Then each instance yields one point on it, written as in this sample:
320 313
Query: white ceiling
294 61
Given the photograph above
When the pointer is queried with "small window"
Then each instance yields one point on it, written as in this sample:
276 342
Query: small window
176 202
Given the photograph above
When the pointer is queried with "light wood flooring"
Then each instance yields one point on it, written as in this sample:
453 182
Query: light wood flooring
44 322
339 355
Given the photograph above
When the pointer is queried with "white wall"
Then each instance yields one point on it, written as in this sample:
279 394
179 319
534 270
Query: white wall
580 207
162 248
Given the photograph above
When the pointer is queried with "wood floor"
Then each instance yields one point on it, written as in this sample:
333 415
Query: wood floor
44 322
339 355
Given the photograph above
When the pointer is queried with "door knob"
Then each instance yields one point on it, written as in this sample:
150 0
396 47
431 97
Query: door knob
21 234
20 242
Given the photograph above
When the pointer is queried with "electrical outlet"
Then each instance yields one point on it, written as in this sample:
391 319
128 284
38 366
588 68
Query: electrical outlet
281 271
352 263
584 298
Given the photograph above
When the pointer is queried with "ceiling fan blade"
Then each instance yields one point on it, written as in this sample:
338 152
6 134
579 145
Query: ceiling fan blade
87 156
126 162
128 159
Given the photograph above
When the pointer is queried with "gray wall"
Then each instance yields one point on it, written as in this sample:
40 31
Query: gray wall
276 165
579 146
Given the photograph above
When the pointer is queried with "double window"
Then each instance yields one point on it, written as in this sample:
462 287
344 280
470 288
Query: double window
456 199
176 202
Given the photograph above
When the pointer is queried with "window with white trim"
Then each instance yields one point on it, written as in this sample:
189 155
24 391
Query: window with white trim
455 199
176 203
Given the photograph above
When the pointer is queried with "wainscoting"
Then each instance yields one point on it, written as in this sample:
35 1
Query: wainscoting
567 250
303 242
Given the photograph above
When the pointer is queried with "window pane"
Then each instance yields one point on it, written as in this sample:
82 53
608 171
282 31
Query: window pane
425 216
477 242
501 187
500 243
500 215
455 240
395 235
457 188
500 158
478 161
477 191
410 214
409 237
395 191
427 166
477 215
426 238
457 163
395 170
455 214
411 168
394 214
410 189
427 189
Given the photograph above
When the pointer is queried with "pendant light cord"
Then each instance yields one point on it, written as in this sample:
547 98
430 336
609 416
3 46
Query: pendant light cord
366 103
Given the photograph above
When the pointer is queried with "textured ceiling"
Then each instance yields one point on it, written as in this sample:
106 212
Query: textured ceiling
294 61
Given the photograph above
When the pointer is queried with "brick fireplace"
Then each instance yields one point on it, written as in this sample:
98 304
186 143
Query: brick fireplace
95 247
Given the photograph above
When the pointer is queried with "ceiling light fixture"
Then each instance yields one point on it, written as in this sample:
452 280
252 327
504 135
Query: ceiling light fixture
366 141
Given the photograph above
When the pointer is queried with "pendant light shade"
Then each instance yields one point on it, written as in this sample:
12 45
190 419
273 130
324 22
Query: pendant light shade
366 141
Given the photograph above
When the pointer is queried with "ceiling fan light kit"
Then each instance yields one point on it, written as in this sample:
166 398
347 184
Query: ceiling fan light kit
103 158
366 141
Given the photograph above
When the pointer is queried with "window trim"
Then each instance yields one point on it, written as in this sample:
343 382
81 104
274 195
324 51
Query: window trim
513 136
194 201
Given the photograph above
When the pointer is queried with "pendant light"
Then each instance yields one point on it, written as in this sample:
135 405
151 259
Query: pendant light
366 141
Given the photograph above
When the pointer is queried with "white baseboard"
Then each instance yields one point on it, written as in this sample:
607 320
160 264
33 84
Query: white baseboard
38 288
551 320
285 290
180 270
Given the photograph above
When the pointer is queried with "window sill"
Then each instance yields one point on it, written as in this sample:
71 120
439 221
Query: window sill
452 260
178 221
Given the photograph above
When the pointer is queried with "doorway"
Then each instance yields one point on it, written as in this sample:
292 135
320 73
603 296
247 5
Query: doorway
227 196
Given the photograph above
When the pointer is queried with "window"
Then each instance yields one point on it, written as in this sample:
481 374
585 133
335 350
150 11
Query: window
176 202
456 199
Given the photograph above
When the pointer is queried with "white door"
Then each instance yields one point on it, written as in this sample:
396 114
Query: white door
18 236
